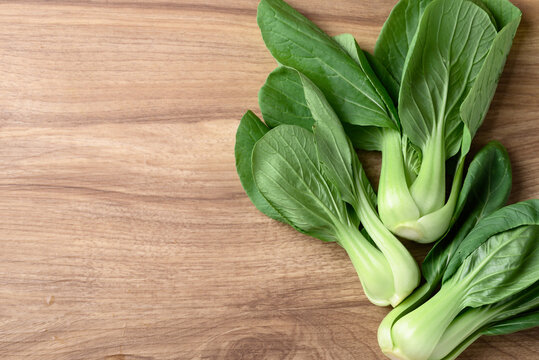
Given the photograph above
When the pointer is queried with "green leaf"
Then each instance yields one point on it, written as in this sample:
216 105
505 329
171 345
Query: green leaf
335 151
282 99
510 315
497 273
486 188
518 323
485 8
340 165
250 130
412 160
365 137
349 44
503 11
282 102
296 42
336 154
488 183
474 108
503 265
452 41
507 218
368 137
287 173
516 305
388 81
397 34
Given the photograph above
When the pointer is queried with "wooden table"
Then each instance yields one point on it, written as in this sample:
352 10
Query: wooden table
124 230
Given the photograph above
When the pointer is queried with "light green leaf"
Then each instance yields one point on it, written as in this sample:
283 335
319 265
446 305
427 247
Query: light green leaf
503 265
507 218
250 130
397 34
452 41
486 188
287 173
474 108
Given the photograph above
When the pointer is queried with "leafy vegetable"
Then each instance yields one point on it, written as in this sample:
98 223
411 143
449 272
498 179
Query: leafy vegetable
486 320
494 279
290 159
451 48
485 190
288 174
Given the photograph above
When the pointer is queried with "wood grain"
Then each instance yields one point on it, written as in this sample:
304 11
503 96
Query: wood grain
124 230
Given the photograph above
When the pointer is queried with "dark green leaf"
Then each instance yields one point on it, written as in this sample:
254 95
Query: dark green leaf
282 99
296 42
503 11
485 8
389 82
250 130
517 305
349 44
518 312
365 137
335 151
518 323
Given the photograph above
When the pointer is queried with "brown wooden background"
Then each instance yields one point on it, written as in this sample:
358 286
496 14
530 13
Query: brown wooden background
124 230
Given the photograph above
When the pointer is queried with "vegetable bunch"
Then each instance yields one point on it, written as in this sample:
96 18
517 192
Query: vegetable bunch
419 100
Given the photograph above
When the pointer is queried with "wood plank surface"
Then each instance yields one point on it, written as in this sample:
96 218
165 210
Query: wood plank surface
124 230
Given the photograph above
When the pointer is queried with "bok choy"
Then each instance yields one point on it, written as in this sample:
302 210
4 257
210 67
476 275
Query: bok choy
487 268
447 63
492 279
309 176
